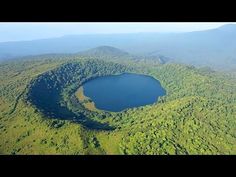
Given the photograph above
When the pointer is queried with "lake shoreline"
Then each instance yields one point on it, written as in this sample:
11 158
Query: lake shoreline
84 100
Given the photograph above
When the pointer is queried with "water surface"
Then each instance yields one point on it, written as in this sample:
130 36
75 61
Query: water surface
118 92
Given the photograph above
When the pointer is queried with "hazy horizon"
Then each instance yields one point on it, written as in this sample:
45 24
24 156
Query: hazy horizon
32 31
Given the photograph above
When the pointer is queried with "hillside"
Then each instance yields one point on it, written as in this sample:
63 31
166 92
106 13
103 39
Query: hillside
104 51
215 48
39 113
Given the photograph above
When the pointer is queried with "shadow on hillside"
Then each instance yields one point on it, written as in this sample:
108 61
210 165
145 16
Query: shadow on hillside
47 102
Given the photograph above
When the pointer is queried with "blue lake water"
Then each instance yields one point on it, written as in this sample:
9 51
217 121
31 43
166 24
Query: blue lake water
118 92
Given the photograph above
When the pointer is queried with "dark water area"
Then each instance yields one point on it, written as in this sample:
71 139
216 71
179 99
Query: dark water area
119 92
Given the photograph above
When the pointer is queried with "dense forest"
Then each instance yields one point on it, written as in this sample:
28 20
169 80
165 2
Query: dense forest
40 113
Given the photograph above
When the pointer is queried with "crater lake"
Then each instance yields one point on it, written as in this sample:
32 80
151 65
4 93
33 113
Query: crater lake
116 93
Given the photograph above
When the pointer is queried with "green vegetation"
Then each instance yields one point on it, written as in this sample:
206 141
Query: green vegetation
40 112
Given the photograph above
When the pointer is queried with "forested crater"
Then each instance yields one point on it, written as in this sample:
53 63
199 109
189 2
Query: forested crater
196 115
53 93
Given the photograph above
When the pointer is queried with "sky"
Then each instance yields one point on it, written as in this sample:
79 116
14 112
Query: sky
31 31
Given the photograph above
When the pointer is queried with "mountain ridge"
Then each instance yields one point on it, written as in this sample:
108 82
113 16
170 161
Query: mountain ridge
214 47
104 51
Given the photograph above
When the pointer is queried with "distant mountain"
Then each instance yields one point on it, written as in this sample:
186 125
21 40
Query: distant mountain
112 53
227 28
215 48
161 59
104 51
